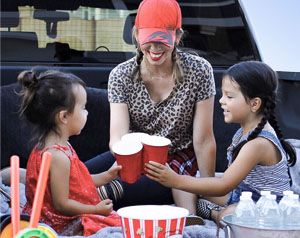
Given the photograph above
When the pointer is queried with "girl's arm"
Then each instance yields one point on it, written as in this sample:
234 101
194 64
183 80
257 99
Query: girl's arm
59 182
107 176
119 126
256 151
119 122
203 137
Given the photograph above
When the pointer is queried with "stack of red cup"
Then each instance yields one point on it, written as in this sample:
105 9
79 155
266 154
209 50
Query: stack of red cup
136 149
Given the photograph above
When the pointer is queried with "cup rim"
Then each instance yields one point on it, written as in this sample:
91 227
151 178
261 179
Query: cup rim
138 146
154 141
134 136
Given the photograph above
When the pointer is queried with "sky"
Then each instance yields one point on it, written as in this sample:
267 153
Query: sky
276 28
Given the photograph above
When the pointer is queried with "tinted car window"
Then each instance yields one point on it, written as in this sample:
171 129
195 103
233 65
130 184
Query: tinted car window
97 33
216 31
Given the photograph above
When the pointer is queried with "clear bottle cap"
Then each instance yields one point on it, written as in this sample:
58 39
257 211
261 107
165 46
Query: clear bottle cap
288 192
247 194
294 196
245 198
265 192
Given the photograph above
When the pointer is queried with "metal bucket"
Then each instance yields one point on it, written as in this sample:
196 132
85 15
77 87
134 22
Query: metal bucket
233 230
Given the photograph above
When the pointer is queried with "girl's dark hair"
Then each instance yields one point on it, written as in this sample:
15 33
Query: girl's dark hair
257 79
43 96
177 70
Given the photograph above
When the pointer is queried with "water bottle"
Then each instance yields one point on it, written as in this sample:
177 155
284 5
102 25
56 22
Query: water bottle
285 200
291 215
270 213
245 212
262 199
260 204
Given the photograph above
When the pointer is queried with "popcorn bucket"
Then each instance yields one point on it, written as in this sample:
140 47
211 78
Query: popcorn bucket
129 155
152 221
156 149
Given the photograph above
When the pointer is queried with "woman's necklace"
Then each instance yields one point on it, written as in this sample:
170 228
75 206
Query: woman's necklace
158 75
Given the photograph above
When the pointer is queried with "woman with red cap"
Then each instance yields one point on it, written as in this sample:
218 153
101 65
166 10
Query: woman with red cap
167 92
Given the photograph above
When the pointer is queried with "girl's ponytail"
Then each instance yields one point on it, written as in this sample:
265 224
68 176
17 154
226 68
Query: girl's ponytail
29 81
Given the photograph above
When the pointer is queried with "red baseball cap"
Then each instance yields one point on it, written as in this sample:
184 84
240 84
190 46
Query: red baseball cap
157 21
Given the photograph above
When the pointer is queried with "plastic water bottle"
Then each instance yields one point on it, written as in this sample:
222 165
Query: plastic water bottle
245 212
285 200
262 199
270 213
260 204
291 214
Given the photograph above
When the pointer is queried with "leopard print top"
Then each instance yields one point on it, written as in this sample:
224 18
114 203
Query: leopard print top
172 117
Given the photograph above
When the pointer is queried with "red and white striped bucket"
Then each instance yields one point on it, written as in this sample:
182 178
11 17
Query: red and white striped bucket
152 221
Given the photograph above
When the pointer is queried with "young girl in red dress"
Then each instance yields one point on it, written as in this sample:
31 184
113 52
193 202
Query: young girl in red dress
54 102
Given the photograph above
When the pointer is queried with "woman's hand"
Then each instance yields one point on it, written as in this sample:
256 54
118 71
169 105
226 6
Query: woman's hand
104 207
161 173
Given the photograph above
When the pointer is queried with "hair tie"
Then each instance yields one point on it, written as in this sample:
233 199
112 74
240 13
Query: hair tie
31 80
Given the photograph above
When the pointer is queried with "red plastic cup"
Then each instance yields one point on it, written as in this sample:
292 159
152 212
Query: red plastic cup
129 155
155 149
